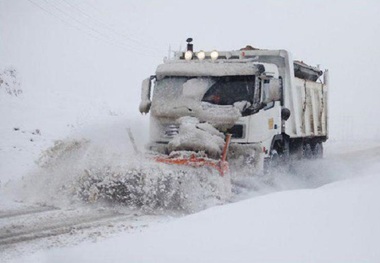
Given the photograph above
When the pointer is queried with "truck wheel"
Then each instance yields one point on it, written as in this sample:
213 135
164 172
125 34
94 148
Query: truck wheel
280 155
307 151
274 159
279 162
296 152
318 150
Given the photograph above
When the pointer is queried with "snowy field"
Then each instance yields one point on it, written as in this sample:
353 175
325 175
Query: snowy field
74 70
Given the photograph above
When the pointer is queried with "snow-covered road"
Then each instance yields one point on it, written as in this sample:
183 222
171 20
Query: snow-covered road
30 228
30 224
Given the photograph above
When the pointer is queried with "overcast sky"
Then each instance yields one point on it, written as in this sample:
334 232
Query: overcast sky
105 48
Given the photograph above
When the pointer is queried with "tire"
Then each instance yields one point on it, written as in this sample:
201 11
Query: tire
318 150
280 155
307 151
279 162
296 152
275 160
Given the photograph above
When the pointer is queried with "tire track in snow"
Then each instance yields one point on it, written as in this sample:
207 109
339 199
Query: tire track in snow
26 211
16 232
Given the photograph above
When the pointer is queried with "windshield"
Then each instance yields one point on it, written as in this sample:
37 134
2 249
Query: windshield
216 90
230 89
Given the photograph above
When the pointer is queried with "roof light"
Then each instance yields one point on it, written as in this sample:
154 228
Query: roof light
188 55
201 55
214 55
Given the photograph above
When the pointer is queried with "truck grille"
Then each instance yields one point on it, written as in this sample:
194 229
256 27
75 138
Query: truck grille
171 130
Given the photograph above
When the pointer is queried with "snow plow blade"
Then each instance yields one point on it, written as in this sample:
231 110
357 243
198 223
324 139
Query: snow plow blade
194 161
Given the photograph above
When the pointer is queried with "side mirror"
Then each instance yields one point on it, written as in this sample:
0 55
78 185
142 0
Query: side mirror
272 89
145 96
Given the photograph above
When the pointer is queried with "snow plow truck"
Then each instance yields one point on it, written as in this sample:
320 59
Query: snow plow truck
223 108
217 119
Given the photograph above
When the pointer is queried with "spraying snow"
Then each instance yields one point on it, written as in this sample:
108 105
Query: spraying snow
77 170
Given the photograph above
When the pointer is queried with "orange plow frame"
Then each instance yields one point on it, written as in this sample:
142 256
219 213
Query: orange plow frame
220 165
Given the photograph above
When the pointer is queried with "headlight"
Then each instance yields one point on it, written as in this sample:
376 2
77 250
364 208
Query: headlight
188 55
201 55
214 55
